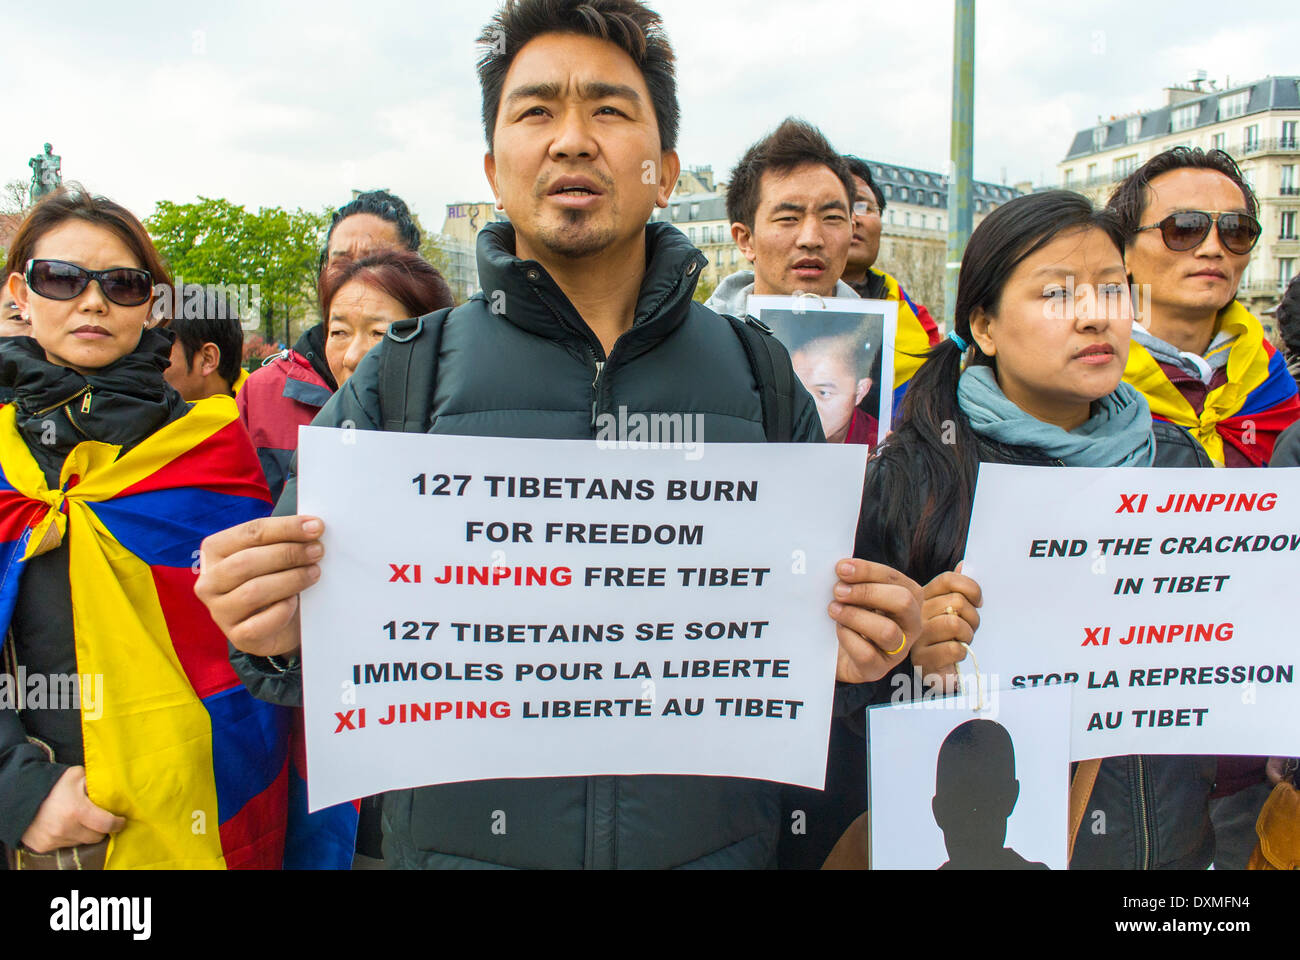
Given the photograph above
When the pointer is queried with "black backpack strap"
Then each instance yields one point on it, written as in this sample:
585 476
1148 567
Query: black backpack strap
408 371
770 364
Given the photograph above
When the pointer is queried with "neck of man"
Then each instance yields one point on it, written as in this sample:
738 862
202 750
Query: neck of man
855 273
603 287
1183 329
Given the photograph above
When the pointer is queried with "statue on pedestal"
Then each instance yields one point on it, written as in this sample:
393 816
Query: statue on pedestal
47 174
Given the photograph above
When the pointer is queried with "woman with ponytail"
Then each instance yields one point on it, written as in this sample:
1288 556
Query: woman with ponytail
1042 321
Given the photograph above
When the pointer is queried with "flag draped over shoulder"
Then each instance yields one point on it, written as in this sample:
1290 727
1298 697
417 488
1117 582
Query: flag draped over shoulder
1257 403
917 333
201 770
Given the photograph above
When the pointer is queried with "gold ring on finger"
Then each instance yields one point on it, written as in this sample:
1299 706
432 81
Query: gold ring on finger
950 611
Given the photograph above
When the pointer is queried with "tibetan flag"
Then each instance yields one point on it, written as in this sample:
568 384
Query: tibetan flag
917 333
1248 412
201 770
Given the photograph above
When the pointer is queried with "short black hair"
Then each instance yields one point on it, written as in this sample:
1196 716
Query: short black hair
791 145
217 326
631 26
1129 201
860 168
385 206
1288 316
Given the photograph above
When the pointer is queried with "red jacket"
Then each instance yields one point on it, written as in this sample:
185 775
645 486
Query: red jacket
285 394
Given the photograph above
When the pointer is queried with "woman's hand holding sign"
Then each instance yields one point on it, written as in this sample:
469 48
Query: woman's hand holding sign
877 612
949 619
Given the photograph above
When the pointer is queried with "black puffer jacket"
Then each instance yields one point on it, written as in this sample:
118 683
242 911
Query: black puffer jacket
537 370
1155 807
58 408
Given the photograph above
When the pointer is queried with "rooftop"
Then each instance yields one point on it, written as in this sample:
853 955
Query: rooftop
1192 108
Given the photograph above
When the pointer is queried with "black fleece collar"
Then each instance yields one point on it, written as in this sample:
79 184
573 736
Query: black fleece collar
128 399
533 301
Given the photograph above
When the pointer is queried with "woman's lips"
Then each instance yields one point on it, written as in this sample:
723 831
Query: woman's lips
91 332
1095 356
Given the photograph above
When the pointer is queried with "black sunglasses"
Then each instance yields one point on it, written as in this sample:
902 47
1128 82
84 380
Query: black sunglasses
1184 231
60 280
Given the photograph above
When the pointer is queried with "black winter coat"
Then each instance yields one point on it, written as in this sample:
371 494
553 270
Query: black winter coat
537 370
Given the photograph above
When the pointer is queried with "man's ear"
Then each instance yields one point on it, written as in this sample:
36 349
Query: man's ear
744 240
979 329
209 358
864 388
670 168
490 169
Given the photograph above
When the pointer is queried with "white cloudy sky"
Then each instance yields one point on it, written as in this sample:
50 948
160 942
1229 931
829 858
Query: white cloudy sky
293 104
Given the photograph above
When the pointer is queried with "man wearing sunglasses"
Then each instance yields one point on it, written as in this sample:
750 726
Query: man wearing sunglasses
1203 361
1190 223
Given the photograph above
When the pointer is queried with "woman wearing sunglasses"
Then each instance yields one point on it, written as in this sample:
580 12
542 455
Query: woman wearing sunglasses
1044 316
138 746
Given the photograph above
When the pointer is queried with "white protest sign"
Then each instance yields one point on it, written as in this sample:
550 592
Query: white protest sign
1159 595
954 786
499 608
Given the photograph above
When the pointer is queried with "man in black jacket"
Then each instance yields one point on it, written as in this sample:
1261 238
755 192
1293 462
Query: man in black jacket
584 309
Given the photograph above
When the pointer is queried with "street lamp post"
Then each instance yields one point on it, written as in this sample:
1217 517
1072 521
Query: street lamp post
961 158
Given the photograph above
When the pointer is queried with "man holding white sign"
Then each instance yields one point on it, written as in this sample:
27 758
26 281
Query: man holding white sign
585 320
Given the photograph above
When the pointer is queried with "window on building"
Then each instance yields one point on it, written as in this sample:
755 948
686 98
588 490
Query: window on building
691 233
1132 129
695 211
673 208
1251 143
911 178
1285 270
1184 118
1123 166
1288 226
1288 135
1218 141
1098 138
889 191
902 193
1233 105
1092 173
907 219
936 200
940 226
923 221
1249 176
1288 182
723 234
1069 178
891 217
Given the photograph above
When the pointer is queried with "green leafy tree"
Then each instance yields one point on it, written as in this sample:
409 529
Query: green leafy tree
215 241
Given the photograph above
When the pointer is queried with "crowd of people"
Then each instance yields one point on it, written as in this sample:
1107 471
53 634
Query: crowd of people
149 531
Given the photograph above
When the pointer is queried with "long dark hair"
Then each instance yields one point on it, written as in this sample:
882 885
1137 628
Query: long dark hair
933 432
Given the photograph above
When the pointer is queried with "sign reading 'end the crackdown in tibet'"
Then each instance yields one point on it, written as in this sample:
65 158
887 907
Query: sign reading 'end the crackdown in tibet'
1162 596
500 608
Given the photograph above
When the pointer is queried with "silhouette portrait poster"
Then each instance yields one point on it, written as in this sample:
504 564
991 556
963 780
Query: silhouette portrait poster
953 787
842 350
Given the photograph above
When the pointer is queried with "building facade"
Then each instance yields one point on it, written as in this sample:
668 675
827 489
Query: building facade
1257 123
458 243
